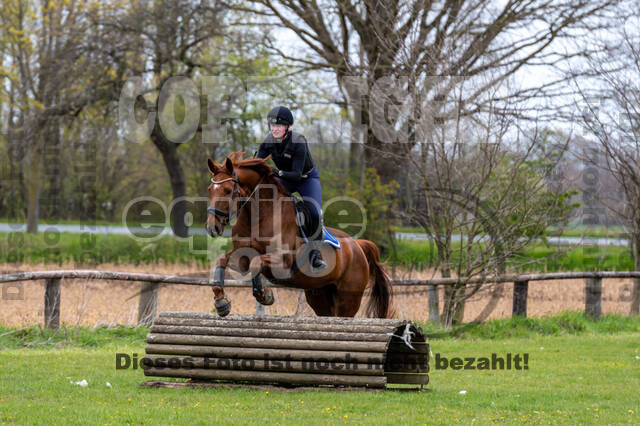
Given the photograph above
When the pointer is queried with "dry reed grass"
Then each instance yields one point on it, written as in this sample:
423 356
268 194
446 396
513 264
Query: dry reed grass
94 303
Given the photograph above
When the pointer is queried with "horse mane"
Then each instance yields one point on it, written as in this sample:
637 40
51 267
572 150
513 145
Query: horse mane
260 166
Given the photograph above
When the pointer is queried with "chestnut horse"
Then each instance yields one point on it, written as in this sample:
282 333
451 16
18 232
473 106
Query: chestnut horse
267 241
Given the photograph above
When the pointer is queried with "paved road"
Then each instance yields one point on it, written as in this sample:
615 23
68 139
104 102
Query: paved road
99 229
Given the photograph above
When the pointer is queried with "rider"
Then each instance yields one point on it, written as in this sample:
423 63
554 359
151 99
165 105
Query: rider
290 153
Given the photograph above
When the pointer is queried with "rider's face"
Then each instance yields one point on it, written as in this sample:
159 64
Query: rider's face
278 130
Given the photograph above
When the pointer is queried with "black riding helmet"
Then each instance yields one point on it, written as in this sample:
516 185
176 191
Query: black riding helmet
280 115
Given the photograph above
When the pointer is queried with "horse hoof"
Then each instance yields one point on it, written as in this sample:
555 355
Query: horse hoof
223 306
267 298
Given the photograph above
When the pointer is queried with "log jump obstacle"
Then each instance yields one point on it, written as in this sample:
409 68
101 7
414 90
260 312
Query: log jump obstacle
289 351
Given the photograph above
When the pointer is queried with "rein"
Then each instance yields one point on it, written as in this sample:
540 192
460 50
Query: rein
225 217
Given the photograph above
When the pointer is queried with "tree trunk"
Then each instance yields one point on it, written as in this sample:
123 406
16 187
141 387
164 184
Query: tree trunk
169 151
33 177
449 291
382 157
52 163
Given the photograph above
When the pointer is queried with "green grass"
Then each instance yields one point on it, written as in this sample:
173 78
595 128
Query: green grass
575 375
64 247
18 247
613 231
563 324
540 257
23 221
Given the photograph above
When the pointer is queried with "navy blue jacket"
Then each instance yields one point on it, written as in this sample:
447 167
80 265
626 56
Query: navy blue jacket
292 155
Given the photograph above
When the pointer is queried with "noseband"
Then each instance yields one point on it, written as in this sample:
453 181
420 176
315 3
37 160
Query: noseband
225 217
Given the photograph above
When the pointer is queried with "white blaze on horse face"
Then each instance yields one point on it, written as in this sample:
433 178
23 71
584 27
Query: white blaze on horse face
215 186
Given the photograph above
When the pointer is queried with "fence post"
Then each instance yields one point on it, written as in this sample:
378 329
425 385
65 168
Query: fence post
52 303
635 297
434 308
593 297
148 303
520 291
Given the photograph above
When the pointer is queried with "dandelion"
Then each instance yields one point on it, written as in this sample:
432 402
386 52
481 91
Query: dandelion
345 416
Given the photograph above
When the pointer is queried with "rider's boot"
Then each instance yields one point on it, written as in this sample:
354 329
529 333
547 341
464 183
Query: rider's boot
316 261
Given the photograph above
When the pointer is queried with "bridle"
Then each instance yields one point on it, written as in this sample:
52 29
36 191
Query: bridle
225 217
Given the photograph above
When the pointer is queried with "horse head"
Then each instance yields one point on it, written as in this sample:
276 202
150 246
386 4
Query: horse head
231 181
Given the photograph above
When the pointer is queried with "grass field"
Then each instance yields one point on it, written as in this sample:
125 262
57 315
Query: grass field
18 247
580 372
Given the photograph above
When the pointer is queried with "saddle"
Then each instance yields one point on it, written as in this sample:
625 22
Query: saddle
308 225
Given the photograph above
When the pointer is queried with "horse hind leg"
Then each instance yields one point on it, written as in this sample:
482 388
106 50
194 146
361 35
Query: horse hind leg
348 303
322 300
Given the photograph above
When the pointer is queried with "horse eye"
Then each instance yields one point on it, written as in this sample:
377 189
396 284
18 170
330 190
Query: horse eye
227 191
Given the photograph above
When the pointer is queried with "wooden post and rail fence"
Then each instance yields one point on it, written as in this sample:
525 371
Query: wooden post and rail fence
150 282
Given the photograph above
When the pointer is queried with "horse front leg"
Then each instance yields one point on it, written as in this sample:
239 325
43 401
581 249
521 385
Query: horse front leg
221 301
277 265
257 266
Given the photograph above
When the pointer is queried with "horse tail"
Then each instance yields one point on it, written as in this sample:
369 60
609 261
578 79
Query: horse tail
381 292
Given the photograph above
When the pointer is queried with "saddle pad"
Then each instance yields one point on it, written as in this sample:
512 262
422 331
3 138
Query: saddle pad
329 238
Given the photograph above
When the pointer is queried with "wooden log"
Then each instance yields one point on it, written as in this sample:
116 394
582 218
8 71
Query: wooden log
52 303
593 297
295 320
261 353
269 333
192 384
257 342
307 366
407 364
148 303
520 290
338 328
272 377
286 350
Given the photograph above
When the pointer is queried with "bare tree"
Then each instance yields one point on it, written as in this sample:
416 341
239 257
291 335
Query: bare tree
55 71
405 43
484 191
612 117
164 40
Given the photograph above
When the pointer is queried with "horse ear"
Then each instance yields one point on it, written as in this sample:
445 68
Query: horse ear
228 164
236 157
213 167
